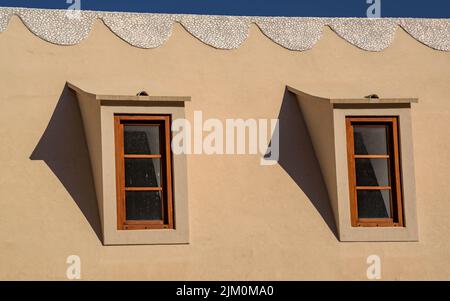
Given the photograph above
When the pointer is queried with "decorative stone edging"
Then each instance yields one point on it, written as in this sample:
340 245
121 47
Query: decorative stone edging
145 30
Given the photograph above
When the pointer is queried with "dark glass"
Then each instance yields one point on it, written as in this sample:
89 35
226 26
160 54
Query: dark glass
374 204
372 172
142 172
141 139
143 205
370 140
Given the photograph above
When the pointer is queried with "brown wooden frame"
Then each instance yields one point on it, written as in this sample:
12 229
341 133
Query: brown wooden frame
393 157
165 154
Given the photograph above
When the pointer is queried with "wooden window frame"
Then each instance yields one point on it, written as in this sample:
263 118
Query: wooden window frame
395 186
165 154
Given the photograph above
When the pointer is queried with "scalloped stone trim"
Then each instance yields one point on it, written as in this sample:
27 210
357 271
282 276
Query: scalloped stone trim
144 30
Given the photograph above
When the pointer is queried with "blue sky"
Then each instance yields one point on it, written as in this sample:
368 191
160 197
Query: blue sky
318 8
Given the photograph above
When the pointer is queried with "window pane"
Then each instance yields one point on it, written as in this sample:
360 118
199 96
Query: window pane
370 140
372 172
143 205
142 172
141 139
374 204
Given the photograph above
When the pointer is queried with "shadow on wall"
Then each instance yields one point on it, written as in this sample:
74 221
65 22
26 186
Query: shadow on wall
298 159
63 148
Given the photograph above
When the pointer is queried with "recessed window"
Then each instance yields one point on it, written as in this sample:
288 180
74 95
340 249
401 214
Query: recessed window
374 172
143 167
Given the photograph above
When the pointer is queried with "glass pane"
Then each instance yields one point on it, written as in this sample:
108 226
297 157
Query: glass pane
370 140
143 205
141 139
142 172
374 204
372 172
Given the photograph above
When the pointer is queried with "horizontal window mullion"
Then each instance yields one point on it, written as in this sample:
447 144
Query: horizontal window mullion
131 156
143 188
371 156
373 187
144 222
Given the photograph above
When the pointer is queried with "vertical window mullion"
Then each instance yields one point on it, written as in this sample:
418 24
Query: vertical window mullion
120 170
397 182
162 171
352 173
168 168
122 174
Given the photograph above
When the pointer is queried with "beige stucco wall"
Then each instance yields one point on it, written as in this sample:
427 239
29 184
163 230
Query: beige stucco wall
246 221
90 113
318 115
